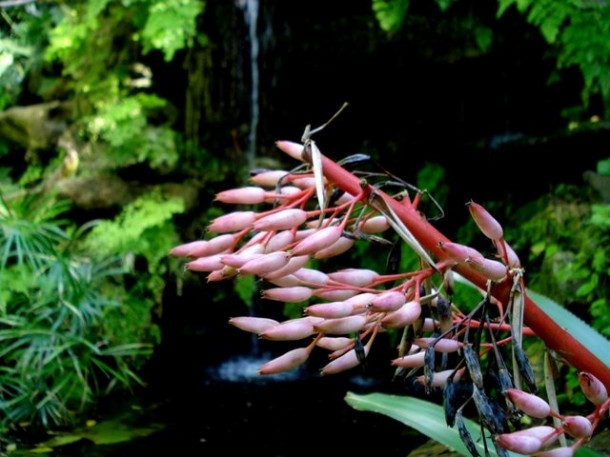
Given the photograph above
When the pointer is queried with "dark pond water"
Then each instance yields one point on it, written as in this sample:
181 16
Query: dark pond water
235 410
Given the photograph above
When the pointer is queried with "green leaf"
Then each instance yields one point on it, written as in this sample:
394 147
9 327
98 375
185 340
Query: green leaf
245 286
580 330
484 38
426 417
584 451
603 167
390 13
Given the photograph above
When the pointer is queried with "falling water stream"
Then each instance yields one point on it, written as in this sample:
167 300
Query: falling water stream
251 8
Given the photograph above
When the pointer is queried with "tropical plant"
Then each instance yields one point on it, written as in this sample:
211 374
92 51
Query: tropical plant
58 308
475 355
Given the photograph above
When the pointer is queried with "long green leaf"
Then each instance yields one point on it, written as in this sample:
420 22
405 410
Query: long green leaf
580 330
426 417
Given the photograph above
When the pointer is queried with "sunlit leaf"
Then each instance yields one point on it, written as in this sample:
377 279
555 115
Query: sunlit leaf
426 417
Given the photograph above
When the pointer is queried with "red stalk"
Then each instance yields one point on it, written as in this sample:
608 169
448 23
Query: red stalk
555 337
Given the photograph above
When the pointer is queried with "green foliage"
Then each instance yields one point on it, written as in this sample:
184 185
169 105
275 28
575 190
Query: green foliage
125 128
578 32
431 178
483 37
56 304
113 113
144 229
603 167
164 25
171 25
245 286
20 40
137 229
569 259
390 13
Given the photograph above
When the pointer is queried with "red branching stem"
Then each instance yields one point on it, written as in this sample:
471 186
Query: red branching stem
555 337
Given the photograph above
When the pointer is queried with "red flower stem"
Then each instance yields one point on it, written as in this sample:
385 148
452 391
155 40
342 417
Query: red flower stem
555 337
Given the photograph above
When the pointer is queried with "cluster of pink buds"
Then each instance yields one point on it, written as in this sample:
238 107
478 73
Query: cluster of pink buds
299 217
540 440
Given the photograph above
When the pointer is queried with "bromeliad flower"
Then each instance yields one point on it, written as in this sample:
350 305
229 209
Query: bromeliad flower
319 210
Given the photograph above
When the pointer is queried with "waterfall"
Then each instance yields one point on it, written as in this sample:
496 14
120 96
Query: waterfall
251 8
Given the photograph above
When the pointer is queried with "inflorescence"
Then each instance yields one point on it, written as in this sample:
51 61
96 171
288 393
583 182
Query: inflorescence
303 217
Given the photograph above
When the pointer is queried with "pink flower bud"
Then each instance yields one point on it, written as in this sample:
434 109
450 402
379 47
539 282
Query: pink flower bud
256 239
346 197
564 451
203 248
284 281
513 259
220 275
429 325
315 223
288 294
334 343
459 252
358 277
304 182
343 244
311 276
518 443
375 224
269 178
403 316
530 404
286 362
232 222
491 269
265 264
284 192
318 240
445 345
490 227
279 241
183 250
593 388
294 150
439 378
545 433
291 330
334 294
249 195
345 362
342 326
331 310
388 301
294 264
252 324
361 301
237 260
281 220
577 426
215 245
303 233
410 361
210 263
